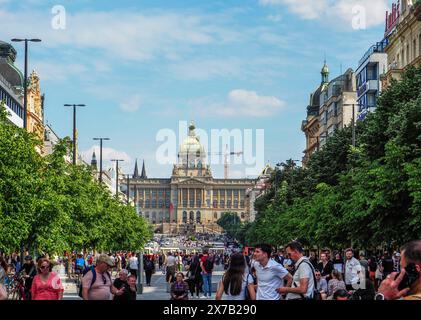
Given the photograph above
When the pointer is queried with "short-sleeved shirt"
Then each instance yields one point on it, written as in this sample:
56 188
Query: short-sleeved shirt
170 261
304 270
99 289
133 263
269 278
49 290
247 279
352 268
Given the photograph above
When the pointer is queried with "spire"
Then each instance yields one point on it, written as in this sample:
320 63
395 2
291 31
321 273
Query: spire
94 162
136 171
143 175
325 73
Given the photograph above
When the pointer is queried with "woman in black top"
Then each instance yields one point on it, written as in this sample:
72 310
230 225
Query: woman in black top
325 266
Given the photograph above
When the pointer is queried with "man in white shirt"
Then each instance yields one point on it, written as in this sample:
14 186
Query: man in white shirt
270 274
170 268
352 271
133 264
303 281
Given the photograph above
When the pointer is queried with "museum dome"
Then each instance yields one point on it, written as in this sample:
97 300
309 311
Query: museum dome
7 68
191 145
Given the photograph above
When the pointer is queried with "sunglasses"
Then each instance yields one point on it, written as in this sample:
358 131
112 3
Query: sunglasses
43 267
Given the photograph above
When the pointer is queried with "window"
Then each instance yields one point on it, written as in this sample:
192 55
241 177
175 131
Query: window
198 217
236 204
215 203
414 49
335 109
372 73
228 203
215 215
147 203
407 54
371 100
184 216
242 204
191 216
330 111
153 203
222 204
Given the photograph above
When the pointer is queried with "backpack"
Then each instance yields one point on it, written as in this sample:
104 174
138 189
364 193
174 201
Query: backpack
208 265
92 268
316 293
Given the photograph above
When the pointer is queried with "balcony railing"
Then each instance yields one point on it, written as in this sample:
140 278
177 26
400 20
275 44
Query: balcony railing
377 48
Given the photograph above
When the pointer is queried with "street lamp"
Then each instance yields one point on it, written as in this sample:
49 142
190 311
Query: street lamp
116 175
100 156
25 80
74 128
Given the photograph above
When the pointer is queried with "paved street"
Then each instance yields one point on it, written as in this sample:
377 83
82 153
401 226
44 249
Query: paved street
157 291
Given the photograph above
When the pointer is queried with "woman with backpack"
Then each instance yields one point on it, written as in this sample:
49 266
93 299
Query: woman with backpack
194 276
237 283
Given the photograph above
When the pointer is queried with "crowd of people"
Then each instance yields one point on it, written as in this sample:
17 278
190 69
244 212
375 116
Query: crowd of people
258 274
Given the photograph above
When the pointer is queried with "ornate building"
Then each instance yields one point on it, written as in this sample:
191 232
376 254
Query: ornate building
403 31
191 200
35 112
310 126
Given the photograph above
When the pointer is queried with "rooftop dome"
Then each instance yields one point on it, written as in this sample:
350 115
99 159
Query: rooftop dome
7 68
267 170
191 145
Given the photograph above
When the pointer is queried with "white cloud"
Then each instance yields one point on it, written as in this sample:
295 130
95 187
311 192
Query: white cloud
239 103
122 34
131 103
334 11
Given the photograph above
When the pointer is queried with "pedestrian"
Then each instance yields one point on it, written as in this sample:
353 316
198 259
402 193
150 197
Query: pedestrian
195 279
335 284
133 264
179 288
353 271
325 266
170 268
46 285
121 284
407 284
160 261
387 265
364 265
237 283
149 270
321 284
270 274
96 283
3 276
338 263
29 271
303 285
207 265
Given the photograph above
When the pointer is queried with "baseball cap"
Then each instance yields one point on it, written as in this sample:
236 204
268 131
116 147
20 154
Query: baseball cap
107 259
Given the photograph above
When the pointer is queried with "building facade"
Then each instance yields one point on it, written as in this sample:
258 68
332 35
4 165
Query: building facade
310 126
338 105
369 86
191 199
11 84
403 31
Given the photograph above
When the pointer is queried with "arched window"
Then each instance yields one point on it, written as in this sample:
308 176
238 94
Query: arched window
198 217
184 216
191 217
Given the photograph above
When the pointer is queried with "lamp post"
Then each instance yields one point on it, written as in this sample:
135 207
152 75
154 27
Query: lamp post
100 156
25 80
116 175
74 128
128 188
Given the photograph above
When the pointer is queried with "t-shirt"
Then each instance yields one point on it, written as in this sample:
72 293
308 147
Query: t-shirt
352 268
247 279
210 262
269 278
127 295
100 290
170 261
133 263
322 285
304 271
49 290
387 265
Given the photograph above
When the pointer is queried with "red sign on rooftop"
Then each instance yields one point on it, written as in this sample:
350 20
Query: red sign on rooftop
392 18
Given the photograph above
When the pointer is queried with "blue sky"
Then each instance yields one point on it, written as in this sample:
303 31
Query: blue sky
143 65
